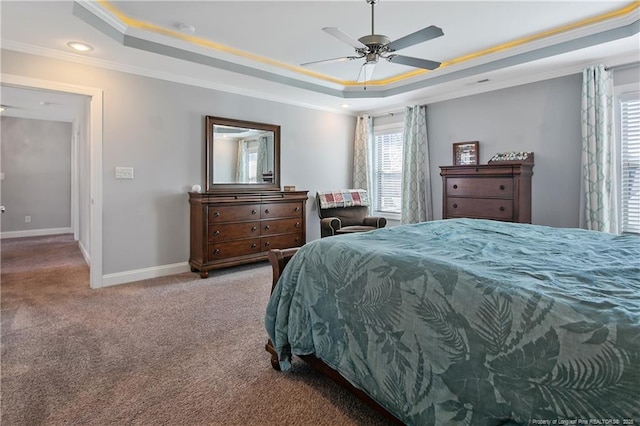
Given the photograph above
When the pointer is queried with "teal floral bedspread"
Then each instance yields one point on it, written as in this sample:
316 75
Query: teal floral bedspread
471 321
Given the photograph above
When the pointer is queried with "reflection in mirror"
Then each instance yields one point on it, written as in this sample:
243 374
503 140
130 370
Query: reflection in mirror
242 155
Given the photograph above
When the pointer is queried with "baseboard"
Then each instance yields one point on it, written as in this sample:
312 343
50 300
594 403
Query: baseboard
85 253
144 274
35 232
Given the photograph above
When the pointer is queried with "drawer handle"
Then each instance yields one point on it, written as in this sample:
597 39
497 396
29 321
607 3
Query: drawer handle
216 233
267 227
297 224
216 214
254 211
254 245
455 206
216 251
502 187
501 208
254 229
455 186
267 244
266 211
297 239
297 209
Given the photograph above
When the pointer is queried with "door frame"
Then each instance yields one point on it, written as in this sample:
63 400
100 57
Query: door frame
94 122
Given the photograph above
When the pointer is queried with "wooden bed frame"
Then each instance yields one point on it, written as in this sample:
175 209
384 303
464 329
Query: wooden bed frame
279 259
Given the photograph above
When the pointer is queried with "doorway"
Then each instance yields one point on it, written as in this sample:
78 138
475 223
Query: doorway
86 168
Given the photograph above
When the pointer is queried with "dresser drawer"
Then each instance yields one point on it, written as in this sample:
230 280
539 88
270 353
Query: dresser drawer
276 210
480 187
234 213
480 207
233 248
280 226
281 241
232 231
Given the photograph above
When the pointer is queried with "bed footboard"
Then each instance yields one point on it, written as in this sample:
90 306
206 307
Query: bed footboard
278 259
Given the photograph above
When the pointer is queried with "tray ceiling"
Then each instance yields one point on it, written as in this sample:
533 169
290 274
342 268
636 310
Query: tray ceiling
256 47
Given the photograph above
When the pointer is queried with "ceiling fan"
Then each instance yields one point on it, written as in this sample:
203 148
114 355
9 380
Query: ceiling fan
375 46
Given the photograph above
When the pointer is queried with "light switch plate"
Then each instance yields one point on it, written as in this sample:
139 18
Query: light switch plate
124 172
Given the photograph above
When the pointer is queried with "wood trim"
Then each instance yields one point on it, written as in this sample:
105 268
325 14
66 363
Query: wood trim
279 259
217 222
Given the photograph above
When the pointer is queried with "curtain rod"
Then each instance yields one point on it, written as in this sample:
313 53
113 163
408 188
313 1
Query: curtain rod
392 113
382 114
622 66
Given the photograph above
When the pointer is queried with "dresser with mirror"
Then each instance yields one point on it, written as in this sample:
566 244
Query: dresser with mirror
242 213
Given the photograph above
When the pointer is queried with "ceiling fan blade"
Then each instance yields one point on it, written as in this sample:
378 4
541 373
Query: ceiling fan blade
414 62
366 72
342 36
424 34
328 61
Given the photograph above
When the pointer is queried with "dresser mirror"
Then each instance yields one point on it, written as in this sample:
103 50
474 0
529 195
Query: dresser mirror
241 155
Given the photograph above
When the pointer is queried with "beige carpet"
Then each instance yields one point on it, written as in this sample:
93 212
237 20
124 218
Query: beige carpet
173 351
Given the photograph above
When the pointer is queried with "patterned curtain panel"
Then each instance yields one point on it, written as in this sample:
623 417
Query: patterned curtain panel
599 177
261 163
362 154
241 164
416 181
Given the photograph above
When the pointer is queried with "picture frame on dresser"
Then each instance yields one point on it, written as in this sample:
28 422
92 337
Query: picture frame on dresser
466 153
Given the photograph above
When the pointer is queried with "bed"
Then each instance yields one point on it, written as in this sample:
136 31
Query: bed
469 321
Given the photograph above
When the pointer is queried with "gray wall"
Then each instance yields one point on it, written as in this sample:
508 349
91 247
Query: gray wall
542 117
626 75
36 162
157 127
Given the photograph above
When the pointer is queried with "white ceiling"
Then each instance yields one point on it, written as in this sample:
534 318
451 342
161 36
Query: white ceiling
256 47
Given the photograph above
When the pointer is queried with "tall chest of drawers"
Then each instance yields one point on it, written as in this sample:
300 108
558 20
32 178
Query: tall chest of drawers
493 191
230 230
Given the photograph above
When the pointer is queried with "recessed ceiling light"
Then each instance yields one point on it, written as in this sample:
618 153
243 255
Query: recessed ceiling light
345 105
79 46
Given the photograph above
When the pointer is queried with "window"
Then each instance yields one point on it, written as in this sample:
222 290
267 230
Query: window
630 162
387 169
251 161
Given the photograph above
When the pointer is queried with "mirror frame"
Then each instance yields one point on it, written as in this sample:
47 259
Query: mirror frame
210 185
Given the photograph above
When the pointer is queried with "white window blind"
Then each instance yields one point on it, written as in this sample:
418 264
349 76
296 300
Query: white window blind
388 171
630 150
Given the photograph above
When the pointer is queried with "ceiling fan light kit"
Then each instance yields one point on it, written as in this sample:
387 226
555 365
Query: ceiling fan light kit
375 46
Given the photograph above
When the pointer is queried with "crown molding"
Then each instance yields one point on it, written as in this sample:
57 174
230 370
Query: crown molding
479 88
154 73
450 95
157 39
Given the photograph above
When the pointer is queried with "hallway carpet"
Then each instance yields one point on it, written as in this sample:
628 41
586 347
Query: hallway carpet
175 350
